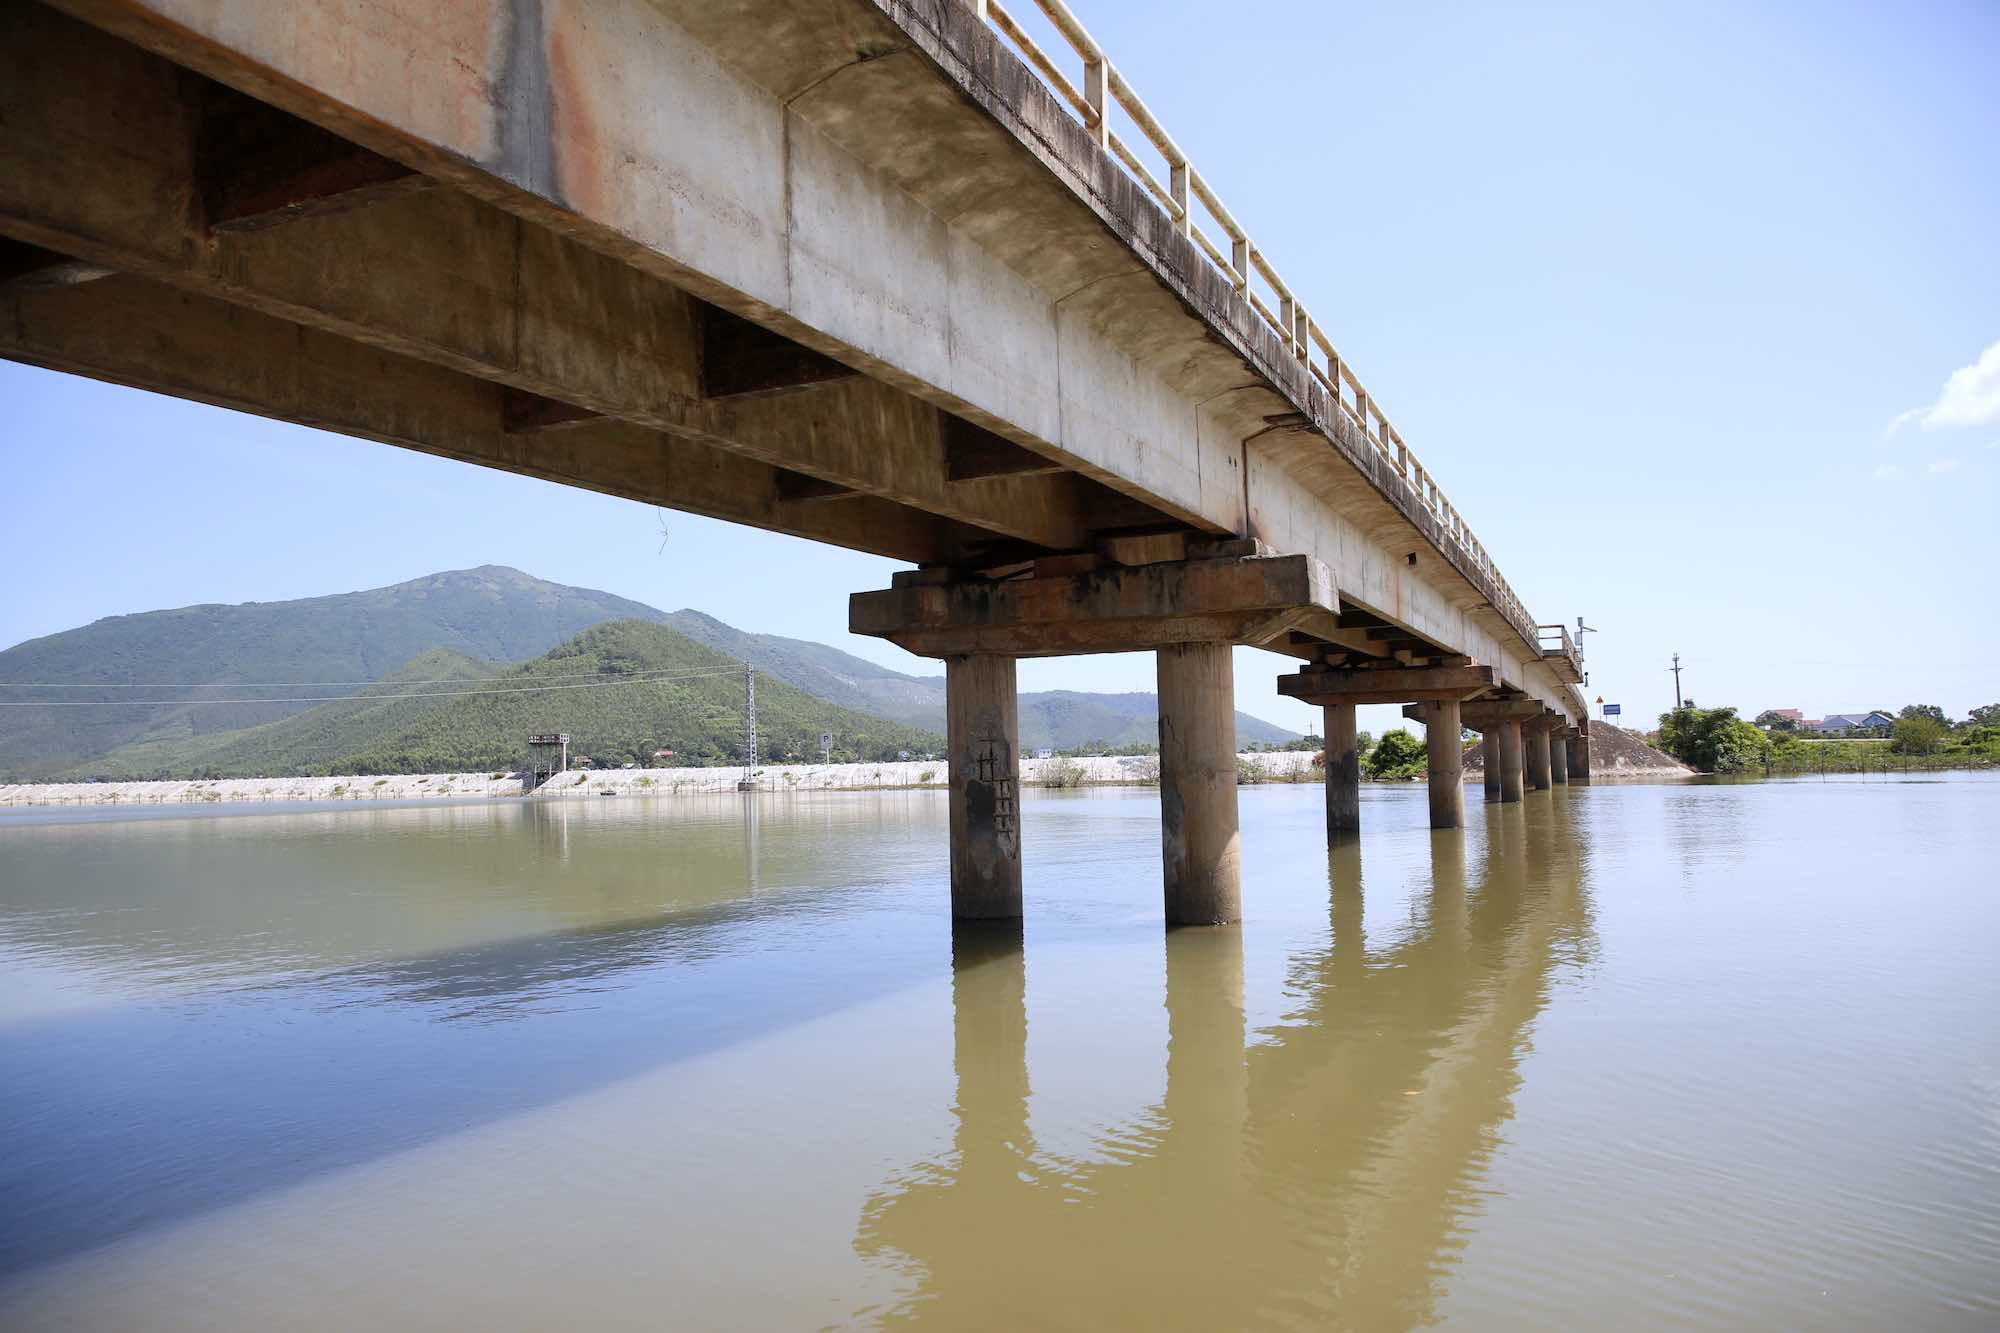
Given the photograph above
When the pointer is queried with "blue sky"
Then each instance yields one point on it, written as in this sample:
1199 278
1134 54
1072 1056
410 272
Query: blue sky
1694 310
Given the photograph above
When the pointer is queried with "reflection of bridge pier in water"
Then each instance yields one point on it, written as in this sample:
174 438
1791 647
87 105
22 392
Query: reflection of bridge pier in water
1325 1173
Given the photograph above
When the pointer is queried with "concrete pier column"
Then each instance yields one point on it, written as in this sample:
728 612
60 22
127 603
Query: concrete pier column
1510 760
1579 755
1198 784
1343 772
1489 762
982 732
1535 738
1558 759
1447 763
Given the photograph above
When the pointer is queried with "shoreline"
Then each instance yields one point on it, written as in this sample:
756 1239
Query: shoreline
1096 771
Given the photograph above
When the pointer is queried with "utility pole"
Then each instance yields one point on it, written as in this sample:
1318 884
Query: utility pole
1676 669
749 723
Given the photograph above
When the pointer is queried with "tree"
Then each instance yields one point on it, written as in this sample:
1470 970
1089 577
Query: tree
1713 740
1986 715
1931 711
1916 733
1397 755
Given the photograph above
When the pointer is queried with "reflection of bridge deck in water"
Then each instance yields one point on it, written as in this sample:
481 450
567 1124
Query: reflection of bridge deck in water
1323 1174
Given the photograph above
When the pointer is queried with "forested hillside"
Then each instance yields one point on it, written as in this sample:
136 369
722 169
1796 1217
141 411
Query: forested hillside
621 690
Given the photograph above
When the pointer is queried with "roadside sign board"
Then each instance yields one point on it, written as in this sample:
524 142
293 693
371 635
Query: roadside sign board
826 740
1612 710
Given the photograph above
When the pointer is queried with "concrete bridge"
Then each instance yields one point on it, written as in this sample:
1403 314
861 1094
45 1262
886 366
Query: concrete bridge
880 273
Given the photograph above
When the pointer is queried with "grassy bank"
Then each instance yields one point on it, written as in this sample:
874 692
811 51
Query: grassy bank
1792 755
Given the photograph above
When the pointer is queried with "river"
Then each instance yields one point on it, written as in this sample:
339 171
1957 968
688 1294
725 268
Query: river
1654 1056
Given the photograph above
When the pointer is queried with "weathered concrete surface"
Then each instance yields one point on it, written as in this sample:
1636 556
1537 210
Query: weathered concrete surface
1110 609
983 740
1510 760
879 182
1446 759
1343 771
1198 827
1535 739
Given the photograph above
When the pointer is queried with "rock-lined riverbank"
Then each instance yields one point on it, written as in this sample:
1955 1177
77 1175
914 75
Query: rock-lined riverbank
1128 770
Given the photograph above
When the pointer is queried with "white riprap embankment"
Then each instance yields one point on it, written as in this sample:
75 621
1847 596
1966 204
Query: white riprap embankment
1099 771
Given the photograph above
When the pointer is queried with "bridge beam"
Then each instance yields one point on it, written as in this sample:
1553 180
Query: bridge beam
934 613
135 332
106 146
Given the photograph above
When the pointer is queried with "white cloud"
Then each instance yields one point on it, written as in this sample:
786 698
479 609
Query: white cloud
1970 397
1938 465
1888 472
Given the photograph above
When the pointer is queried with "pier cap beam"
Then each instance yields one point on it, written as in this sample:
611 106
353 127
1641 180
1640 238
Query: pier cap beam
1113 609
1386 685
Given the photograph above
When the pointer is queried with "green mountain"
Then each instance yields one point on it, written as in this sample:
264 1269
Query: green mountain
491 614
293 745
1056 719
622 690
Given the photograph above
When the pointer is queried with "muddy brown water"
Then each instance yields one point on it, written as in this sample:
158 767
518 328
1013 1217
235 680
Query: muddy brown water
1661 1056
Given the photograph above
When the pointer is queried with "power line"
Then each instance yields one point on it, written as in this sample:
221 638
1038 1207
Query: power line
287 684
356 698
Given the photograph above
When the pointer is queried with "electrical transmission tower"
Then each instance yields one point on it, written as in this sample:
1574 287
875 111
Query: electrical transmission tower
1676 669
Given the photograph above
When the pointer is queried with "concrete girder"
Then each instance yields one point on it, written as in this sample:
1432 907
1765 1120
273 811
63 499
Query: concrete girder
131 331
1120 609
443 277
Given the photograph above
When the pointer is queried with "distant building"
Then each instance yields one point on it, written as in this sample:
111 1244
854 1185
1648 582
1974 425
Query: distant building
1784 719
663 754
1851 724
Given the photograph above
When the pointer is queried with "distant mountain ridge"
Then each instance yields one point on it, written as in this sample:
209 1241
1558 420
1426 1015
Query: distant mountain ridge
452 625
492 613
1056 719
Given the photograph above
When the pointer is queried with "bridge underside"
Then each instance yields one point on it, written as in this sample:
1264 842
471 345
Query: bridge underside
832 268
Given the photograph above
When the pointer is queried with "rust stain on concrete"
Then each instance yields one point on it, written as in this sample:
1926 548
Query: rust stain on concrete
582 175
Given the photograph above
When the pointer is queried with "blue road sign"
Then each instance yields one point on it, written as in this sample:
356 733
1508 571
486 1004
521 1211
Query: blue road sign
1611 709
